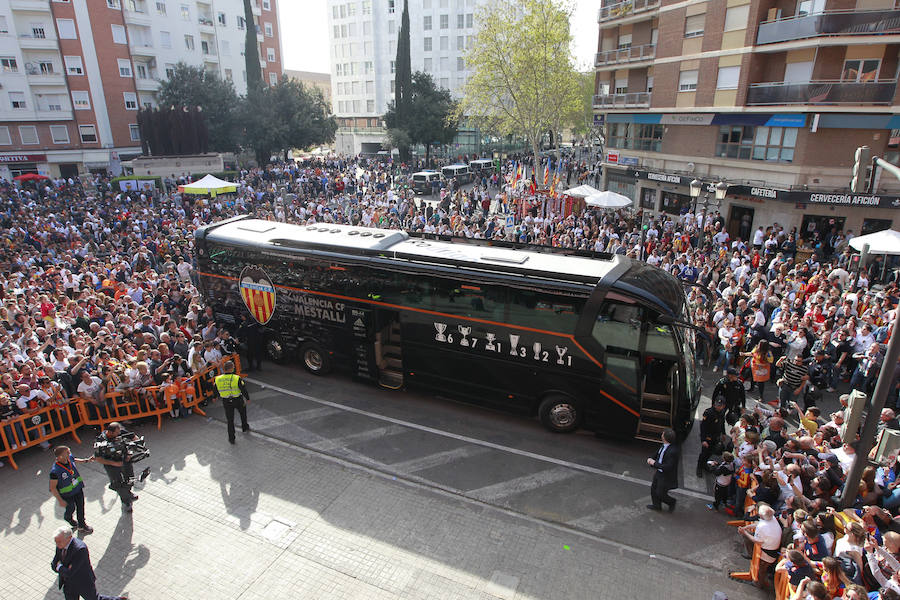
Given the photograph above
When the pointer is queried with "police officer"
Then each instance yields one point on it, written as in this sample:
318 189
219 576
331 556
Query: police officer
115 461
233 392
251 334
712 429
68 487
732 389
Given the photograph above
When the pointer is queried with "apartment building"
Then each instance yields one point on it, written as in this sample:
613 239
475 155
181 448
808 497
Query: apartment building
363 45
771 97
73 73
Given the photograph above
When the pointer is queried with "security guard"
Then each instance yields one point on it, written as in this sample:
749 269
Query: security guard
68 487
233 392
732 389
712 430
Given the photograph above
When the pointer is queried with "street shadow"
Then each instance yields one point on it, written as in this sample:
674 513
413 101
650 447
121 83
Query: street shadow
240 500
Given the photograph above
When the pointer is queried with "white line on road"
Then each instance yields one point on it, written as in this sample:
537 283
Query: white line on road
437 459
476 441
302 415
525 483
330 444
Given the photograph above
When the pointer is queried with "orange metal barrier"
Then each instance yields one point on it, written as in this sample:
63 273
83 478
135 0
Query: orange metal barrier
41 425
753 573
783 588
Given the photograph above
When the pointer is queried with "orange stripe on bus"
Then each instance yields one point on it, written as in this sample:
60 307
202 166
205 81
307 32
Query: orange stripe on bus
628 408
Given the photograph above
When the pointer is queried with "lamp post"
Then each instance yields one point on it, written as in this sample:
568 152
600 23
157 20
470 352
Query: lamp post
696 186
720 189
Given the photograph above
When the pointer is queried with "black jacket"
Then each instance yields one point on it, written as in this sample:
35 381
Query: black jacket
712 425
667 469
732 391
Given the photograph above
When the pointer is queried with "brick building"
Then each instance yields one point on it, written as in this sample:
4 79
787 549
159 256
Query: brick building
771 97
73 73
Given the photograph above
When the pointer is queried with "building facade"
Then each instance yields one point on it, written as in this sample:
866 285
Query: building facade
363 45
771 97
322 81
75 72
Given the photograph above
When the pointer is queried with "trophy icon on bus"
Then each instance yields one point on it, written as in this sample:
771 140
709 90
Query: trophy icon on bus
514 344
464 331
561 352
440 328
489 343
537 350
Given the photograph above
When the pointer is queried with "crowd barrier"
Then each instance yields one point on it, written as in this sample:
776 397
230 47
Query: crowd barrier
51 422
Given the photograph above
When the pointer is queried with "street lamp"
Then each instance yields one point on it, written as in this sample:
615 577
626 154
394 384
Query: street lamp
719 189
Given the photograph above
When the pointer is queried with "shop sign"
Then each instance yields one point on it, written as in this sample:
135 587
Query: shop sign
22 158
660 177
687 119
612 157
798 197
630 161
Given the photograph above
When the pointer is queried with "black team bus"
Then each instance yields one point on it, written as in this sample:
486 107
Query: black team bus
600 343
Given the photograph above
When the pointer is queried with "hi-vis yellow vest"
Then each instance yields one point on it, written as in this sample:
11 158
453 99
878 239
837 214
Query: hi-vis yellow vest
227 385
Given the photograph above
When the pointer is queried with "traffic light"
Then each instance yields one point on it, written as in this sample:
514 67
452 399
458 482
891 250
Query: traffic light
859 184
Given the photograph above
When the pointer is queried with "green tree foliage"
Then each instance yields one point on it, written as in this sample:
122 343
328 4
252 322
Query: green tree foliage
251 52
402 82
523 80
194 86
429 116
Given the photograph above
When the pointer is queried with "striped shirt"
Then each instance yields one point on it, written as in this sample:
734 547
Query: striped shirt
794 373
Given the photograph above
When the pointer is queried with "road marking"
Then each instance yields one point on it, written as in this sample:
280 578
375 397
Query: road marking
478 442
302 415
330 444
437 459
525 483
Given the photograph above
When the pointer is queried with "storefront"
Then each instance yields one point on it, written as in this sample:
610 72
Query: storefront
13 165
621 182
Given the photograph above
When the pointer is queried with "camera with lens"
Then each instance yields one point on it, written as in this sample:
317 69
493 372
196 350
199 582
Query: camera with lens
123 448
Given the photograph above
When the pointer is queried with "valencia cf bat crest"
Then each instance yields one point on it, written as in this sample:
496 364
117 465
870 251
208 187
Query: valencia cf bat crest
258 293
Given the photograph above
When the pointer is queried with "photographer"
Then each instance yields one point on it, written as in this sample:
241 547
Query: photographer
111 452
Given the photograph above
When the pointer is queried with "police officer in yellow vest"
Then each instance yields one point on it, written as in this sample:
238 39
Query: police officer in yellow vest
233 392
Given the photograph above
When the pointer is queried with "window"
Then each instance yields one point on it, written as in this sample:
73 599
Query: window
241 23
460 64
444 64
757 143
368 67
460 21
9 65
392 27
390 7
66 29
134 132
393 66
624 41
367 28
141 70
426 23
445 21
460 42
270 54
4 27
5 138
445 42
81 100
38 32
220 17
267 4
445 83
161 8
693 25
370 87
225 48
51 102
170 70
228 75
273 78
687 81
59 134
861 70
113 4
118 34
618 327
267 27
392 85
165 39
124 67
469 19
73 65
185 12
737 17
338 69
370 106
17 100
189 42
88 133
367 7
351 9
29 134
427 65
635 136
728 78
427 44
130 101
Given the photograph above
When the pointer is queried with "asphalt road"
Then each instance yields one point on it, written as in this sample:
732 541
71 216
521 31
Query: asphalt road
595 486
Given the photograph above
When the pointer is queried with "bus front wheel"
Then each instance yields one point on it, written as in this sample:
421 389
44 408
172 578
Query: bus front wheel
315 359
559 414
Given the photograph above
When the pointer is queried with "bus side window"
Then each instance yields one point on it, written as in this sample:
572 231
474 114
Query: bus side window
543 311
468 299
660 340
406 289
618 327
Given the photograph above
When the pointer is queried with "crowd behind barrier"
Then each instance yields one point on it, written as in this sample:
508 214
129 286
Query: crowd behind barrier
99 309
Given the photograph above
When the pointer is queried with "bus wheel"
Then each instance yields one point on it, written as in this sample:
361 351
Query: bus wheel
275 350
315 358
559 414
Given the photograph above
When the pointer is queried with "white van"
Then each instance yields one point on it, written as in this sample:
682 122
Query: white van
422 181
461 172
481 166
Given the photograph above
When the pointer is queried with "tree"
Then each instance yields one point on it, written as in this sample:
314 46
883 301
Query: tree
402 81
523 80
429 116
251 52
194 86
584 114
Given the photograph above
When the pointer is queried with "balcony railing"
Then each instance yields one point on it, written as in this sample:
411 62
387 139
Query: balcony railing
832 22
625 55
205 21
628 100
625 9
822 92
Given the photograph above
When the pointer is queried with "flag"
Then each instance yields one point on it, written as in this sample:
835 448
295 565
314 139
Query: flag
547 173
555 178
511 178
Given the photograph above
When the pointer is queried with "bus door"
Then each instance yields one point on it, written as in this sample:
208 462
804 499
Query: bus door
661 385
388 346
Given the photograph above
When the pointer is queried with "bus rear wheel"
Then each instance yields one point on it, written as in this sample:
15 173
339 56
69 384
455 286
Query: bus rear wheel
315 359
559 414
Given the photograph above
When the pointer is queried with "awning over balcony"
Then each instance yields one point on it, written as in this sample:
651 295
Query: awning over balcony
769 120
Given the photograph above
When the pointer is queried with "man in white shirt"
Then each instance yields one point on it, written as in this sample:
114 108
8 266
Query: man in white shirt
767 533
758 238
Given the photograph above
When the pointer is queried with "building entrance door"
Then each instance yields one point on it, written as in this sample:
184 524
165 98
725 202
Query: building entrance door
740 223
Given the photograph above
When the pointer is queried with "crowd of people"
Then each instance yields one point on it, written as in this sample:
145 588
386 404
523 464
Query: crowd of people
98 293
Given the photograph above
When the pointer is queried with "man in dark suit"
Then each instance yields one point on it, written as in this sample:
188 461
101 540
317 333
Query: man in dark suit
665 472
73 563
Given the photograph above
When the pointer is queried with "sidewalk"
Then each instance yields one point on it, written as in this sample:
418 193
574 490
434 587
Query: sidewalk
263 519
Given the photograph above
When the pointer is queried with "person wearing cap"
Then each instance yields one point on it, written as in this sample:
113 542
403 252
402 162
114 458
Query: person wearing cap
233 392
712 432
731 389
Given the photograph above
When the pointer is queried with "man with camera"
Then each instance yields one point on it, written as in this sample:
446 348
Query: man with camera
112 451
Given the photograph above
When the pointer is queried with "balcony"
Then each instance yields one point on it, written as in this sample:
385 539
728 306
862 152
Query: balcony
829 23
142 48
625 55
148 85
30 5
31 41
207 25
138 17
822 93
46 79
628 100
255 8
626 8
210 58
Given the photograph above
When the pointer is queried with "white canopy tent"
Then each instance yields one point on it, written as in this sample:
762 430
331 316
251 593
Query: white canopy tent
582 191
880 242
209 185
608 199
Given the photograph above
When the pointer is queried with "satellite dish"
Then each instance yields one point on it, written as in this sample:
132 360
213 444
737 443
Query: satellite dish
691 166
